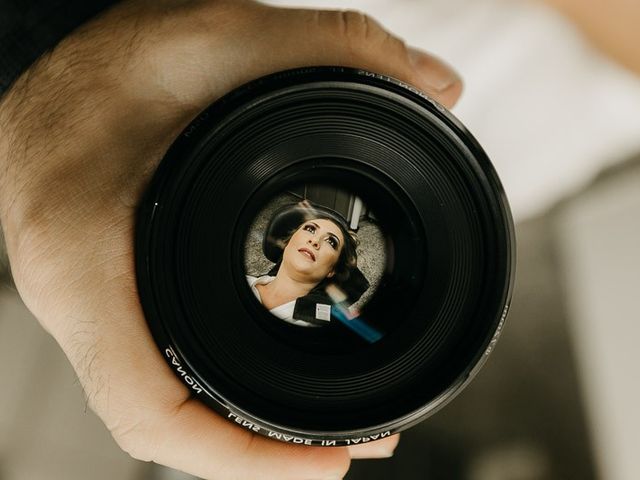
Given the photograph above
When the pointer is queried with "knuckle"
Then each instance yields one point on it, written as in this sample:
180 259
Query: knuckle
355 24
345 24
359 33
134 440
396 45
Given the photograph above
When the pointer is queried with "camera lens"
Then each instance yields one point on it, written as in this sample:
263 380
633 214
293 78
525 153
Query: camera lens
325 256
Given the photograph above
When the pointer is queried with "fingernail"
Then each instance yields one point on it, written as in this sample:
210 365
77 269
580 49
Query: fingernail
433 72
371 450
383 453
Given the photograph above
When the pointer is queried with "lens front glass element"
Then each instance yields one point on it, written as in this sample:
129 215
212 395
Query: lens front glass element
314 256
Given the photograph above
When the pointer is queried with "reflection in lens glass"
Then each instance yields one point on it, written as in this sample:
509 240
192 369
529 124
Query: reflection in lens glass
314 257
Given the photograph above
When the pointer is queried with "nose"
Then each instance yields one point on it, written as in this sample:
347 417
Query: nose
314 242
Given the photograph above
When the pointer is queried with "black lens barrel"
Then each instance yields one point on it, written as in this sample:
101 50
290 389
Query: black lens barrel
450 255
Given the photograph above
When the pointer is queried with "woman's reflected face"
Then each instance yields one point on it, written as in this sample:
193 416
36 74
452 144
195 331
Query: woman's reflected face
313 250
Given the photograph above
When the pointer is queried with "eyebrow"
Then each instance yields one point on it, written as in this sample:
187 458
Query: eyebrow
330 233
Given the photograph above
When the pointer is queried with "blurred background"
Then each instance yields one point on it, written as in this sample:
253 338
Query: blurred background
552 92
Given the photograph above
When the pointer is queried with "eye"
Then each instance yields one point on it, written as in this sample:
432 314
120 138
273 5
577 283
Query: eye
310 228
333 242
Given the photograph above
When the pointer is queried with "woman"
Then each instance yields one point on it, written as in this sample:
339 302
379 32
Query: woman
318 251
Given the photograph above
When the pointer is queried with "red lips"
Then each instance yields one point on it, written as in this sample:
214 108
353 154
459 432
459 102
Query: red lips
309 253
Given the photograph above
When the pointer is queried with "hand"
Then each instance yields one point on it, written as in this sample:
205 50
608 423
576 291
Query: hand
77 150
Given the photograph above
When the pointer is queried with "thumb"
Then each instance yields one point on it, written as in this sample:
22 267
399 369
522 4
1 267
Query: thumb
297 37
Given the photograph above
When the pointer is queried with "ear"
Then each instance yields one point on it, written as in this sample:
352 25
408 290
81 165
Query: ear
331 274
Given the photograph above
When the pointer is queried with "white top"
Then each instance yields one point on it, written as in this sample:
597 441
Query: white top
284 311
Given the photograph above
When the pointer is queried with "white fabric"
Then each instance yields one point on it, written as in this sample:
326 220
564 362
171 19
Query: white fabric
284 311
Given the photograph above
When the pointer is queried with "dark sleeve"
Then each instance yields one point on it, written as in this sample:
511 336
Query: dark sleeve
28 28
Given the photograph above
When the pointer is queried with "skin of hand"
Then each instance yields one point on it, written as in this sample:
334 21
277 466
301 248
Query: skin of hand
81 133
